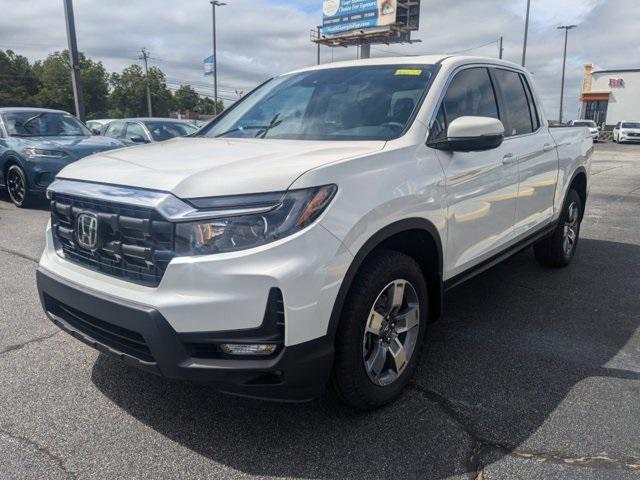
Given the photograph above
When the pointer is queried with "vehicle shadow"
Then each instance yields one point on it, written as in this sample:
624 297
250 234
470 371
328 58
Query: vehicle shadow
513 343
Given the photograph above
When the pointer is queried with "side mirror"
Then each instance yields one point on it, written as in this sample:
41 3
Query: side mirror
96 130
471 134
138 139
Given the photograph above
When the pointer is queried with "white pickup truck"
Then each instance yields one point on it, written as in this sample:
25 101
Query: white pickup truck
306 236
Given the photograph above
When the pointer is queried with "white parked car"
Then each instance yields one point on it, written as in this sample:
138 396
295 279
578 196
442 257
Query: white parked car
590 124
306 237
96 125
626 131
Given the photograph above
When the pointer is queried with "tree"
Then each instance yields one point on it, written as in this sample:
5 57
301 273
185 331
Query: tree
205 106
18 83
186 99
54 76
129 95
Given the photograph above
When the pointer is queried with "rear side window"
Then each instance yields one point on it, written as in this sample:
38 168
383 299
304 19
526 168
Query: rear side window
517 113
114 130
470 93
135 130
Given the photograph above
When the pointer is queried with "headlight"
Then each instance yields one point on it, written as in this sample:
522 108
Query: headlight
292 211
33 152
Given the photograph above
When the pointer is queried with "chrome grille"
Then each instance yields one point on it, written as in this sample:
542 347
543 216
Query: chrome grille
136 243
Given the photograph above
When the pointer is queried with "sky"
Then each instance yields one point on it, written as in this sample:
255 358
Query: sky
261 38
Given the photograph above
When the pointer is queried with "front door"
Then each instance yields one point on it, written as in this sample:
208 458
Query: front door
481 186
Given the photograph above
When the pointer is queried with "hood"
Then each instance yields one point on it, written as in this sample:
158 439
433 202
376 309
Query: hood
76 147
204 167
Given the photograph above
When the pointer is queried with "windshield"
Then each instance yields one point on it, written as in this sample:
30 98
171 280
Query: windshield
165 130
43 124
353 103
584 124
631 125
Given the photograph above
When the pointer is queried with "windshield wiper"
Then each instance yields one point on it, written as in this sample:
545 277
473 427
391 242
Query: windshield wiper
273 124
263 129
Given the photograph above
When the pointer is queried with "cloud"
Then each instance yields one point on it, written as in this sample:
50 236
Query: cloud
260 38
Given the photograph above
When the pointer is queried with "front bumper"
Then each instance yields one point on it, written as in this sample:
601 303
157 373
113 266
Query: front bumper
140 336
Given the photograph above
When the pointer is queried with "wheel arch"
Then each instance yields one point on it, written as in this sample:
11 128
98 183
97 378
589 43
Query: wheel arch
416 237
579 184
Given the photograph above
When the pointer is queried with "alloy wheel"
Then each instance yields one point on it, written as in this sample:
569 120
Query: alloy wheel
16 185
391 332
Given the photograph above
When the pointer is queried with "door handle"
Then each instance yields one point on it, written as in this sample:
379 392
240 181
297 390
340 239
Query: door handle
548 147
509 158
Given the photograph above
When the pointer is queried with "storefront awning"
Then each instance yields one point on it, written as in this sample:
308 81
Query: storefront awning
595 96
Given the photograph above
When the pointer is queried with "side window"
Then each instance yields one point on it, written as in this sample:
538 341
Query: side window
439 126
470 93
516 105
114 130
535 119
135 130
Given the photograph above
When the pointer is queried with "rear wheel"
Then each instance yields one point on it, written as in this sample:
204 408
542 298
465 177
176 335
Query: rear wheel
559 249
381 331
17 186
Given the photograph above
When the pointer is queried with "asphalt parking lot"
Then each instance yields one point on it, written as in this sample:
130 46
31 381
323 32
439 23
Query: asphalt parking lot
533 373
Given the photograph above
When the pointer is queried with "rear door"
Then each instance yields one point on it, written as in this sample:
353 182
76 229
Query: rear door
481 186
531 146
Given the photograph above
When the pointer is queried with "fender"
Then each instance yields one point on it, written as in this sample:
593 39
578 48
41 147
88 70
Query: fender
370 245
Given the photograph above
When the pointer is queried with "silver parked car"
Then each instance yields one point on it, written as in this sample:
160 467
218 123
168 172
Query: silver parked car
147 130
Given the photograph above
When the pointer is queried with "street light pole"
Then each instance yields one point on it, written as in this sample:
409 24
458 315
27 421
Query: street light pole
566 29
526 34
74 62
214 4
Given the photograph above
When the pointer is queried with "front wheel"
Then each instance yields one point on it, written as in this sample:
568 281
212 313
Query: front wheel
559 249
381 331
17 186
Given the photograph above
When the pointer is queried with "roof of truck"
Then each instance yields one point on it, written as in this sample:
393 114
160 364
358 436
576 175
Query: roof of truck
411 60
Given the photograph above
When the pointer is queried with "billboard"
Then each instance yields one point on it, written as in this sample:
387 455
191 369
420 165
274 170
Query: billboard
341 17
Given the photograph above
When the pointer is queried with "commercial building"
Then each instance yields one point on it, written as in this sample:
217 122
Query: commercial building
610 96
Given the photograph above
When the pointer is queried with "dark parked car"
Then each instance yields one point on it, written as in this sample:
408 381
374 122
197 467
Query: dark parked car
35 144
146 130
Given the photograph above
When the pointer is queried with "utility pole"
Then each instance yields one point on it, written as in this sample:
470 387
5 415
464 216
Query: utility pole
566 29
145 56
74 62
526 33
500 49
319 28
214 4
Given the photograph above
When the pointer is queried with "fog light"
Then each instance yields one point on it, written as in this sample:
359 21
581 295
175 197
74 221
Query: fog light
248 348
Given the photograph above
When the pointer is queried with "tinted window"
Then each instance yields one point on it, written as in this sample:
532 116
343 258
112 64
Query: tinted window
34 123
584 124
516 106
165 130
135 130
631 125
354 103
439 126
535 120
114 130
470 93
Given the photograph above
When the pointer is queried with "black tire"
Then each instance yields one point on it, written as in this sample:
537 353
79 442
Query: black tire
350 382
17 186
553 251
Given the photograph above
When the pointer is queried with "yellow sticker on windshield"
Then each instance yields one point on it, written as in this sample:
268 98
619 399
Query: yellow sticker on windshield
411 72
